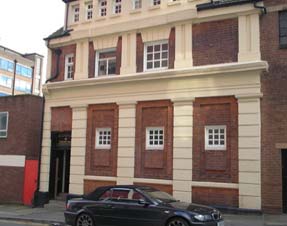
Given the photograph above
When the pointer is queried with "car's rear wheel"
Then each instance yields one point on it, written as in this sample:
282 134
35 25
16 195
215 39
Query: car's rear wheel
85 220
177 222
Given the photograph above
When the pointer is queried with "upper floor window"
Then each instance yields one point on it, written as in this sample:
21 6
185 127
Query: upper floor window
102 7
156 2
156 55
106 62
137 4
22 86
5 81
117 6
89 11
6 65
69 66
76 13
4 124
215 138
24 71
283 29
154 138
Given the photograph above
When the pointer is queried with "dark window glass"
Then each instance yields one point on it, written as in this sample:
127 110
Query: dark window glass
283 28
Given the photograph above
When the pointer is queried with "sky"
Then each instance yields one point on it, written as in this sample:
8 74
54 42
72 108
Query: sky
24 24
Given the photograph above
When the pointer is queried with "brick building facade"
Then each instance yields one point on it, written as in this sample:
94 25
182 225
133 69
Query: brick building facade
172 100
20 138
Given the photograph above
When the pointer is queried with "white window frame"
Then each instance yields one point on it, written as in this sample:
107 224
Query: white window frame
115 5
89 11
76 14
154 147
103 146
5 130
206 140
100 7
155 2
137 4
162 42
98 52
68 64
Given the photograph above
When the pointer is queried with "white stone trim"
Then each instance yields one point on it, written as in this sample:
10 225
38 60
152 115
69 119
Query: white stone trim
214 185
249 119
99 178
167 74
78 147
153 181
126 142
12 160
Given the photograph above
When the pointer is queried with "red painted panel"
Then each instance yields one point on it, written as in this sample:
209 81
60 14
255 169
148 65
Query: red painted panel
30 181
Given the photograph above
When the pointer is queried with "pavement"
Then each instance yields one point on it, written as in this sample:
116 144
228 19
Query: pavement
52 214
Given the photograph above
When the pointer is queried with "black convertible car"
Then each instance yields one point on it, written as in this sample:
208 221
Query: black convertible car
137 206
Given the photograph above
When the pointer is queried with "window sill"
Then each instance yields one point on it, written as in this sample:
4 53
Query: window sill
115 15
101 18
154 7
214 149
156 70
135 11
283 46
174 3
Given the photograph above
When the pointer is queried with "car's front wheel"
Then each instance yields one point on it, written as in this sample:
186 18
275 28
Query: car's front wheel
177 222
85 220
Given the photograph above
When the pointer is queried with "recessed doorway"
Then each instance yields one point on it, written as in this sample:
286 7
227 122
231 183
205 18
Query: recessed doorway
60 164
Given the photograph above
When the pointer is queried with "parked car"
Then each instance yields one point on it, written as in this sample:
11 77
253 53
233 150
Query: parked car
137 206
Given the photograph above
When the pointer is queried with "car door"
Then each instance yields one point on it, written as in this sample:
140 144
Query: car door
135 210
103 210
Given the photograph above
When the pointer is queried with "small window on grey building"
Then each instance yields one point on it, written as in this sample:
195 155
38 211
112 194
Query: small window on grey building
283 29
3 124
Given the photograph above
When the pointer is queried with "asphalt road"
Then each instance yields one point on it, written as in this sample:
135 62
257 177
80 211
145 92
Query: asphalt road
18 223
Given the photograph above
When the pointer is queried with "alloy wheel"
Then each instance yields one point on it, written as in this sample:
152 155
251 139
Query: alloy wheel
85 220
177 222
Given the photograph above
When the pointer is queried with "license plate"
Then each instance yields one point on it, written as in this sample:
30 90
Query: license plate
221 223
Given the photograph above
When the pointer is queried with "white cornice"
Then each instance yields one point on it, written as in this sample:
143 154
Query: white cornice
169 74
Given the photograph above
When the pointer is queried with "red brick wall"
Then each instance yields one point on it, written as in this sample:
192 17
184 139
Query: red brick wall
24 125
71 49
161 187
92 60
274 3
215 196
171 49
61 120
91 185
215 42
155 164
217 165
11 186
140 53
102 162
119 56
273 110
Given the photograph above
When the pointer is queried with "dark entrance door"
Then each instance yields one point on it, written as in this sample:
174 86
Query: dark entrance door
60 164
284 181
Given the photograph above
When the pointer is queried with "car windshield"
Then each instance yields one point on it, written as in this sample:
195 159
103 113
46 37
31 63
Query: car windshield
159 196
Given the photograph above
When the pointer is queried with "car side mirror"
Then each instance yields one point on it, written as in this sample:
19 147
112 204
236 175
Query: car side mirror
143 202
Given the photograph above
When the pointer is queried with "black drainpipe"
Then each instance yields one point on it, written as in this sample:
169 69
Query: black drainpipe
33 76
263 8
14 78
58 53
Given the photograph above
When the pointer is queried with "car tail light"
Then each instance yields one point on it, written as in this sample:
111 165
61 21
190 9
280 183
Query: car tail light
68 205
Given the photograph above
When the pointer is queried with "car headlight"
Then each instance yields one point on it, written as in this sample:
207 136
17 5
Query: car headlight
203 218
